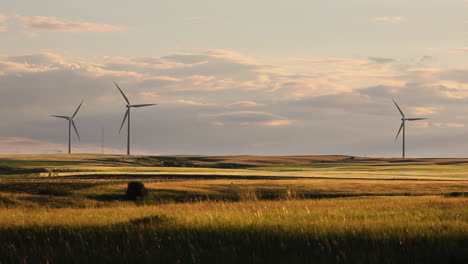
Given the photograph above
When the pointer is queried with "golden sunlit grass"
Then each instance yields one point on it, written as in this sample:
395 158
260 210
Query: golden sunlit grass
326 215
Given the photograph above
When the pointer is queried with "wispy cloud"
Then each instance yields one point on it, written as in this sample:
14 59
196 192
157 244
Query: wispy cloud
243 104
420 111
381 60
328 60
462 49
249 118
455 125
190 102
53 24
395 19
275 123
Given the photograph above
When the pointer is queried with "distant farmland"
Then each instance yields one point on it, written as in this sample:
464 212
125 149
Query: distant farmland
231 209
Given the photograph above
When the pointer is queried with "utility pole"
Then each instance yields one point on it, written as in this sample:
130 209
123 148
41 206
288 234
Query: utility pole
102 140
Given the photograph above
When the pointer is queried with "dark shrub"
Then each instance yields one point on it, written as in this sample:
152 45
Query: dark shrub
54 190
457 194
136 191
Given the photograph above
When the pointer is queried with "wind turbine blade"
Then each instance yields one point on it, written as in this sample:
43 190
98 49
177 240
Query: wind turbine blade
77 109
399 130
64 117
125 97
76 130
401 112
414 119
141 105
125 118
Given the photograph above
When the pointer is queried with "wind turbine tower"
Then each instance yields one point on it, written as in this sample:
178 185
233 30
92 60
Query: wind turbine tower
127 115
403 126
70 124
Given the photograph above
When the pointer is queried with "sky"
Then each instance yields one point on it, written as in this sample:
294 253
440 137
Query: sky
236 77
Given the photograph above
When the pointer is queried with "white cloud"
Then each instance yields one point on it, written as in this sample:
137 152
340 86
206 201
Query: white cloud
248 118
243 104
190 102
42 23
231 56
423 111
420 124
330 60
275 123
455 125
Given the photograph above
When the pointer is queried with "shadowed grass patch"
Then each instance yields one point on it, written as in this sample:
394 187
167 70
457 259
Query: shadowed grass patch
152 220
55 190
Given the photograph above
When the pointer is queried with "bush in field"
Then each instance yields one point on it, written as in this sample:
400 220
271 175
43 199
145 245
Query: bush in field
136 191
457 194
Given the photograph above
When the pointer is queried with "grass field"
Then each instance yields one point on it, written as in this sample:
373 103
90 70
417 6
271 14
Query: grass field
231 209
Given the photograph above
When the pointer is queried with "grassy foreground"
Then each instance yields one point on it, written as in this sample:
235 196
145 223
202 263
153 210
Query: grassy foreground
358 230
58 209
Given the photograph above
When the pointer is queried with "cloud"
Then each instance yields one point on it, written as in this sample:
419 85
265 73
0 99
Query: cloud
218 102
395 19
275 123
462 49
330 60
156 81
3 20
420 124
455 125
53 24
19 145
425 58
423 111
449 125
235 105
248 118
28 145
243 104
381 60
190 102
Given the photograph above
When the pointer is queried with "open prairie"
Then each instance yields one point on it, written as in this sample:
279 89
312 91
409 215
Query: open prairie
231 209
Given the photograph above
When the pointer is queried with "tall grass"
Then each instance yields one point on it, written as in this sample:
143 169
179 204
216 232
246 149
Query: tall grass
351 230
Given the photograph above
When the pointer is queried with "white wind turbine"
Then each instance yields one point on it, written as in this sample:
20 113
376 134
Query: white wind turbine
70 124
127 115
403 125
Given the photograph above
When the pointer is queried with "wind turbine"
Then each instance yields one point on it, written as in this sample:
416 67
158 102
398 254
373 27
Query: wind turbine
403 125
127 115
70 124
